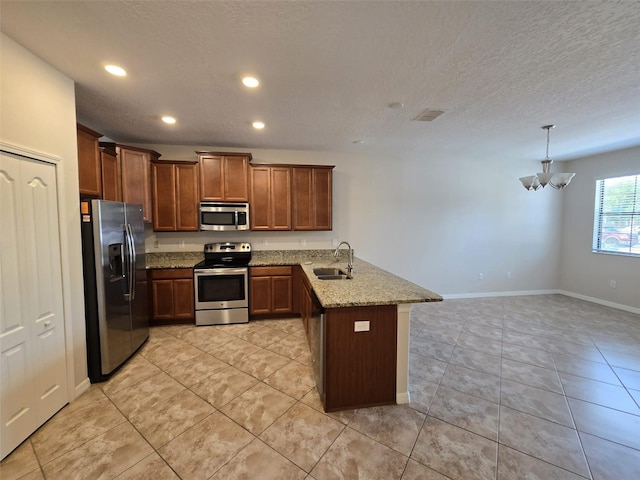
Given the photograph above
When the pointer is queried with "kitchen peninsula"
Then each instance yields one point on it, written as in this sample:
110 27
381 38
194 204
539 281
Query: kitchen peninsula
358 328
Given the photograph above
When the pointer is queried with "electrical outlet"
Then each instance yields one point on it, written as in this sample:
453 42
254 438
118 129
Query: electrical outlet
361 326
181 244
265 242
613 283
303 242
481 276
508 274
155 244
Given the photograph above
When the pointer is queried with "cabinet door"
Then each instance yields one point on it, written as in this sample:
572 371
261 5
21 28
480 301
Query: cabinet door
186 178
312 198
111 189
136 187
162 294
164 196
302 198
322 188
280 198
183 299
282 300
211 178
260 198
89 172
236 179
259 295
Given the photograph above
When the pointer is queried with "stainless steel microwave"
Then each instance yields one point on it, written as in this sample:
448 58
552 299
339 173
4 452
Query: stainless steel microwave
224 216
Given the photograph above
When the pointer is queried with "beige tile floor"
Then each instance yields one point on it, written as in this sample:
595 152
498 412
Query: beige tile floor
540 387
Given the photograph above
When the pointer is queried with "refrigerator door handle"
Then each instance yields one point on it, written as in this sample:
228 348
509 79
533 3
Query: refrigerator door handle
133 261
127 234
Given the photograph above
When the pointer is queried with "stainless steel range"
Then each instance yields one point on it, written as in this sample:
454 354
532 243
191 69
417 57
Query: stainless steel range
221 284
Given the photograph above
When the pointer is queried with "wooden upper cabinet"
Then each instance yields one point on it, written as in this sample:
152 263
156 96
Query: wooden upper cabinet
111 177
224 176
312 197
136 185
270 197
175 196
89 169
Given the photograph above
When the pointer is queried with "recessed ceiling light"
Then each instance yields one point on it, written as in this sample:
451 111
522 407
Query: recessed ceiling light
358 142
115 70
169 120
251 82
396 105
258 125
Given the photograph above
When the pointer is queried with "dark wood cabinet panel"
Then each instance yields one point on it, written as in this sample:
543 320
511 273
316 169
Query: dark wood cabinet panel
164 197
236 179
110 167
175 196
270 198
270 290
172 294
322 198
224 176
260 198
187 197
360 367
89 169
312 197
183 298
135 164
282 296
211 178
162 292
302 198
260 295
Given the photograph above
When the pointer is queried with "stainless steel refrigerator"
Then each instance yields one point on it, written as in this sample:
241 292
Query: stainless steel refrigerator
115 284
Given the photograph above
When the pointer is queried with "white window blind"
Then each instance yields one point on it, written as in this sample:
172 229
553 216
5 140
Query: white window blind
616 225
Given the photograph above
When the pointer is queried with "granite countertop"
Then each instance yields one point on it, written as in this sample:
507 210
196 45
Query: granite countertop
370 285
173 259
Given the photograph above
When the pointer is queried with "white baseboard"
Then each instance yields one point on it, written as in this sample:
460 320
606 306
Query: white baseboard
454 296
606 303
402 398
599 301
81 388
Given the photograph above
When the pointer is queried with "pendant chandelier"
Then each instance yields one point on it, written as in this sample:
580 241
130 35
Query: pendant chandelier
544 178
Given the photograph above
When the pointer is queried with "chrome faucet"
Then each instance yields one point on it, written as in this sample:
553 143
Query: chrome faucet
350 261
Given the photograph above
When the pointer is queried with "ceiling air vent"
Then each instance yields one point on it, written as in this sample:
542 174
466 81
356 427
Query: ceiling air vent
429 115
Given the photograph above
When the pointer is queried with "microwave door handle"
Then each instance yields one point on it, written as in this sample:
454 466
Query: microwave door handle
235 214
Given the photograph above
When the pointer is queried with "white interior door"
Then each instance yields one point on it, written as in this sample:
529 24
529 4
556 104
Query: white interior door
33 380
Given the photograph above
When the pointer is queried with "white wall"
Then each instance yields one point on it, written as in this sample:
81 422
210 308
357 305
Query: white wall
436 222
583 272
37 113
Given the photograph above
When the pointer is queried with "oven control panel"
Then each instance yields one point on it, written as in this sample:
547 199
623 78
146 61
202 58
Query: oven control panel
228 247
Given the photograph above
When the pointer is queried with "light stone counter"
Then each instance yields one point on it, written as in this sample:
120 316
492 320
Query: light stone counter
173 259
370 285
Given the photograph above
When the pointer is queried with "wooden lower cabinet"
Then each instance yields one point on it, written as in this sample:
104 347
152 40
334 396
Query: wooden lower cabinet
270 290
360 366
172 295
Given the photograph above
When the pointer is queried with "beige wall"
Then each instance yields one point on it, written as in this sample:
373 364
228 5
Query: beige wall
583 272
37 114
436 222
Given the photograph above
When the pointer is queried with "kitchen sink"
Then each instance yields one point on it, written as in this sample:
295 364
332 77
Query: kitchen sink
329 274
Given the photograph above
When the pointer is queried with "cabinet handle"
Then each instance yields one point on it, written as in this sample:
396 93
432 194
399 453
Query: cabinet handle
47 323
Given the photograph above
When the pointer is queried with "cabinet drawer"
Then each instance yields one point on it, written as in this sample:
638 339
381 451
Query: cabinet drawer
169 273
269 271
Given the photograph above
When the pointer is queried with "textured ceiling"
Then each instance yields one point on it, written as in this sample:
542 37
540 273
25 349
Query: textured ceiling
329 71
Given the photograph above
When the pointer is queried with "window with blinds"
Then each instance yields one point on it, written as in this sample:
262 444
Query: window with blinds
616 224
